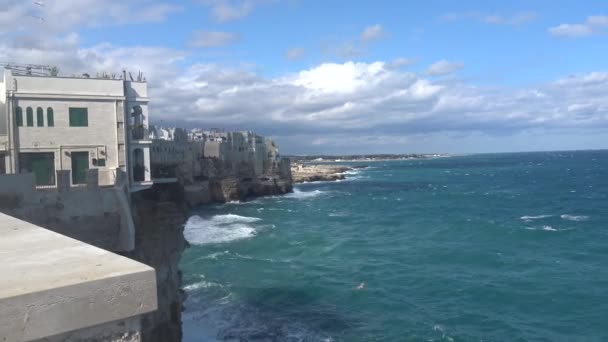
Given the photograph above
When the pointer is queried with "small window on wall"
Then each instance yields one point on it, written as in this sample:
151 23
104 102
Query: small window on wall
29 113
19 116
39 117
99 162
79 117
50 117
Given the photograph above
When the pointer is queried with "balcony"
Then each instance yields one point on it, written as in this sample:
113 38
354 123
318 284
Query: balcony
57 287
139 132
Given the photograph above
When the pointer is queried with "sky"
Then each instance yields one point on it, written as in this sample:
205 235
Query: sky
329 77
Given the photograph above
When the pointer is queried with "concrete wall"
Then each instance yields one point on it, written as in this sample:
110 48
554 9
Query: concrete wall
136 89
3 117
65 290
68 85
99 139
99 216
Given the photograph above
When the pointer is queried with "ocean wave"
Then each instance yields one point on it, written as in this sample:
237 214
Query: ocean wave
219 228
200 285
537 217
298 194
576 218
545 227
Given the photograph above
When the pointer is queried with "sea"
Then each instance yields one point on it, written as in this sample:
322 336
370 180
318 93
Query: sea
487 247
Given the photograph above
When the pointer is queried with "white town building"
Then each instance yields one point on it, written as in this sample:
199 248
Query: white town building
48 124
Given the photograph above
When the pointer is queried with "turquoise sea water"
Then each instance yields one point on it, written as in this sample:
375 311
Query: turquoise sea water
499 247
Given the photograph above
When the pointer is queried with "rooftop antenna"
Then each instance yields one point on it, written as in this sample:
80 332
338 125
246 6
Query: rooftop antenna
40 18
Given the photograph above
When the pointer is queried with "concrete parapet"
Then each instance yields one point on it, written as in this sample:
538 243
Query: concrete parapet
63 180
92 176
57 285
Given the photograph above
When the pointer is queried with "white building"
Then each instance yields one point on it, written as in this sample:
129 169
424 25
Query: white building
49 124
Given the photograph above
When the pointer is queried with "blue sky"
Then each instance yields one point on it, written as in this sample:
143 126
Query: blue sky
345 76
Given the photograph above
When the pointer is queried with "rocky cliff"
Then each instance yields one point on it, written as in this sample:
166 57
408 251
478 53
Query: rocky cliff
321 172
159 214
233 189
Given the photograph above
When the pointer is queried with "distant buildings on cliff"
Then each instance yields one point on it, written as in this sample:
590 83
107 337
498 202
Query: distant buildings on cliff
199 154
69 129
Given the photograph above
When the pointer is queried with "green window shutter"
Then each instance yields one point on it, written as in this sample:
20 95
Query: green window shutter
29 112
39 117
50 117
19 116
79 117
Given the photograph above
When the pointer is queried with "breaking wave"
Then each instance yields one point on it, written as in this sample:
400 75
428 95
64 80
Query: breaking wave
537 217
574 217
545 227
219 228
298 194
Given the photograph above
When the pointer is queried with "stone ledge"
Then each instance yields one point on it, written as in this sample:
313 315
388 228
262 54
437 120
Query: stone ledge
52 284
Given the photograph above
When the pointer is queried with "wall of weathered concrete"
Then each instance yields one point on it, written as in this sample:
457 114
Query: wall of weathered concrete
99 216
58 288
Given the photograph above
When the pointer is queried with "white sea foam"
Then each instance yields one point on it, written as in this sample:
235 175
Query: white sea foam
576 218
219 228
537 217
298 194
215 255
546 228
200 285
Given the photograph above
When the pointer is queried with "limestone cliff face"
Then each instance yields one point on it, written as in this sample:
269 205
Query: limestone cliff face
233 189
159 215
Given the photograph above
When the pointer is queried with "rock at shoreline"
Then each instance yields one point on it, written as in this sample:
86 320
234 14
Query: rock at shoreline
301 173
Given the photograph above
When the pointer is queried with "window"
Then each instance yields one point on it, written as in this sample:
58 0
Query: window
19 116
79 117
29 112
99 162
50 117
41 164
39 117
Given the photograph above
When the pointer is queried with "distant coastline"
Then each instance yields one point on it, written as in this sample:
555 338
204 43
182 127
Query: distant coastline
314 159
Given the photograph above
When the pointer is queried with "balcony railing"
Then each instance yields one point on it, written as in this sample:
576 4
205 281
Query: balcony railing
140 132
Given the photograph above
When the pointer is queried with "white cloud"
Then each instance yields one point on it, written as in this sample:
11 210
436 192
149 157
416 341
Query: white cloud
355 47
400 62
598 20
571 30
593 25
294 54
443 67
376 105
517 19
62 16
356 104
372 33
339 78
210 39
230 10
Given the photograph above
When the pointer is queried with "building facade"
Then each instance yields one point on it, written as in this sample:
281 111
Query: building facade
48 124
